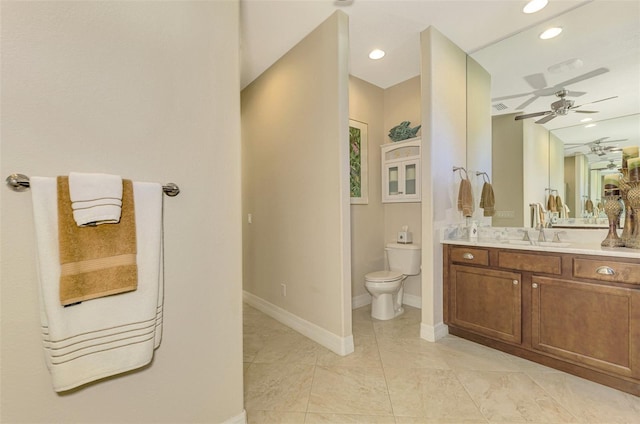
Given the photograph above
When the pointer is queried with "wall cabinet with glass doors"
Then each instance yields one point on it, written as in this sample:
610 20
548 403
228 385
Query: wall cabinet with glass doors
401 171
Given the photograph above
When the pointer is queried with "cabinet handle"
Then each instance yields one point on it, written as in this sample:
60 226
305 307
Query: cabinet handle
467 256
515 282
605 270
534 285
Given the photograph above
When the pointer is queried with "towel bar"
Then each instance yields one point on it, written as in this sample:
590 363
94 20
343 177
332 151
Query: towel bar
461 169
20 182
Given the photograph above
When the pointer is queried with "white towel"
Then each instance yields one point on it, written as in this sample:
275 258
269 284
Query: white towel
95 198
109 335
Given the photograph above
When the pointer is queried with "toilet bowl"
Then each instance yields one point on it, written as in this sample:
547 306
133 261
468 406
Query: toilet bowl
387 287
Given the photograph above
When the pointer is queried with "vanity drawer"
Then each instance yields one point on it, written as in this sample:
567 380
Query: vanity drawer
470 255
607 270
534 262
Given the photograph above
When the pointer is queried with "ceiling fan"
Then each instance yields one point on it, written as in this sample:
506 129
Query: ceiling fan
611 165
560 107
596 146
539 84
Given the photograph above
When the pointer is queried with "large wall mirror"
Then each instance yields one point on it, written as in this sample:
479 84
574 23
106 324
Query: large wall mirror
592 66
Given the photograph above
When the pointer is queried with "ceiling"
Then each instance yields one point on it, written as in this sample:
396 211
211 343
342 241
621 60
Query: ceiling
599 33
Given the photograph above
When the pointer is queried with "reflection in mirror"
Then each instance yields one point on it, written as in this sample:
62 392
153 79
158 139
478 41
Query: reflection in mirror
596 60
591 154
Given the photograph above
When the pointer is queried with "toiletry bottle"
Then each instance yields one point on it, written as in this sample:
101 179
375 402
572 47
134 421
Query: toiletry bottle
473 231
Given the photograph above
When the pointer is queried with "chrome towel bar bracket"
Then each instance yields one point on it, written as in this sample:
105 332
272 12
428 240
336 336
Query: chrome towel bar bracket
20 182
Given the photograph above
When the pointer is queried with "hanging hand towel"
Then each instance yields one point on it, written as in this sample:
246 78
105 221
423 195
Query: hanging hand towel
96 261
559 206
551 204
487 200
95 198
465 198
588 206
541 215
112 334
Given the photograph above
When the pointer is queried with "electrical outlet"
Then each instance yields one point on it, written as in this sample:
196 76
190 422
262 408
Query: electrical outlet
283 290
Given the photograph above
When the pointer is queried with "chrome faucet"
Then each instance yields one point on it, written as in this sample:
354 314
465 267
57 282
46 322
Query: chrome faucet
526 235
556 236
541 236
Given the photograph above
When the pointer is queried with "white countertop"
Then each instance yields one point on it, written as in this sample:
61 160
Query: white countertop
576 241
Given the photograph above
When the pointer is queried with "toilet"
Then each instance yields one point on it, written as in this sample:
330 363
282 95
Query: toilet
387 287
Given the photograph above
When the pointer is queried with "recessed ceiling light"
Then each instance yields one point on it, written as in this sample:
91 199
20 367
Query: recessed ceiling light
376 54
535 5
590 126
586 119
550 33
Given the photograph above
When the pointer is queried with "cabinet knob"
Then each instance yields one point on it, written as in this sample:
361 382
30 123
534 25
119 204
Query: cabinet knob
605 270
467 256
534 285
515 282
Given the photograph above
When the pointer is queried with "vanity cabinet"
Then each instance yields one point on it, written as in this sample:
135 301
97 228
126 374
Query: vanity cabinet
591 324
577 313
487 302
401 171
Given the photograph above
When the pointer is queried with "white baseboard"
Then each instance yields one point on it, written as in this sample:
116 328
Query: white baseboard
412 300
360 301
238 419
365 299
433 333
340 345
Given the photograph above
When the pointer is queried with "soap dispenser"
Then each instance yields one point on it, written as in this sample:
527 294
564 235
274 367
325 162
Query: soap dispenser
473 231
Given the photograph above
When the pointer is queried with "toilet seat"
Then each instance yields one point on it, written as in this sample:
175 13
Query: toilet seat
384 276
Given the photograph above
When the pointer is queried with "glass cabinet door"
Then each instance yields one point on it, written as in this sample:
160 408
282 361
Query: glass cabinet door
401 172
410 179
393 178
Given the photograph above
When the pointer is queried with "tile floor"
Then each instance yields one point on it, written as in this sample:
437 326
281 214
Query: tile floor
396 377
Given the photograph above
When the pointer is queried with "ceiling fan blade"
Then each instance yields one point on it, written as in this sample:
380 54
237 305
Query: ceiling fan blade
527 103
532 115
576 93
584 111
536 81
583 77
512 96
575 145
597 101
546 119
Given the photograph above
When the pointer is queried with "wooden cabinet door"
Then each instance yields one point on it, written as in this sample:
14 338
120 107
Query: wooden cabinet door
487 302
589 324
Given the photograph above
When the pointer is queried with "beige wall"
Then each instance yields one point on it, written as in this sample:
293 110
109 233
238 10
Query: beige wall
402 103
556 165
375 224
443 87
296 181
479 156
535 166
522 154
148 90
366 104
507 170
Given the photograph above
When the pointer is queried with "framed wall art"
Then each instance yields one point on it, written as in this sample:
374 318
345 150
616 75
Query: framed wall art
358 140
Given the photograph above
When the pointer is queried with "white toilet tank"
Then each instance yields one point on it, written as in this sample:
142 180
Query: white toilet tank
404 258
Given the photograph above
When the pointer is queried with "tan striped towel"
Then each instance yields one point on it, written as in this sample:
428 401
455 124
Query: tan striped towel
96 261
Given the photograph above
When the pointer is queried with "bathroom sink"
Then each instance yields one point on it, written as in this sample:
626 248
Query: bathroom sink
553 244
538 243
520 242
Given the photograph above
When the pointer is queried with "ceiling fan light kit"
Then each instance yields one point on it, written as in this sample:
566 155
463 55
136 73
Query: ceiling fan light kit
560 108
